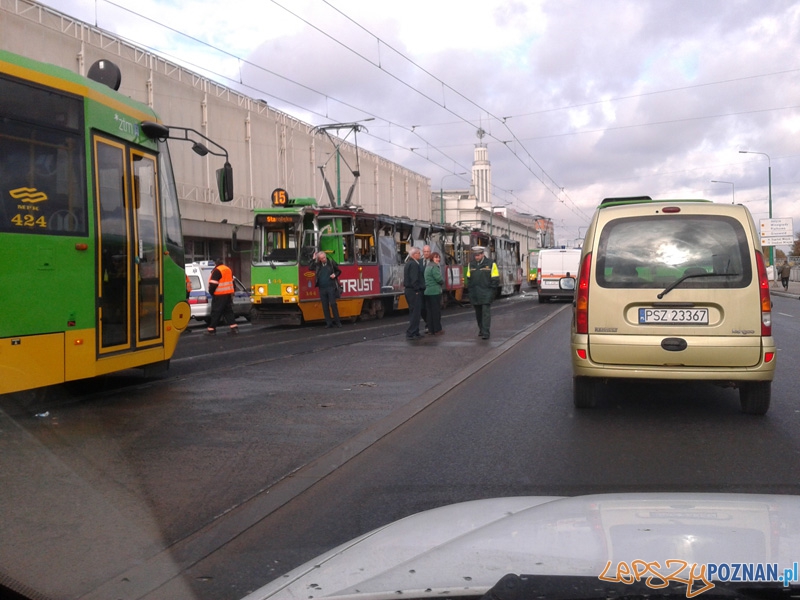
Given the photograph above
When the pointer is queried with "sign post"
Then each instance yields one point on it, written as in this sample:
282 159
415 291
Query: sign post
776 232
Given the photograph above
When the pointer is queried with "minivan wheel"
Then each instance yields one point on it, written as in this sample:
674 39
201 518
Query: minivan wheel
754 397
584 392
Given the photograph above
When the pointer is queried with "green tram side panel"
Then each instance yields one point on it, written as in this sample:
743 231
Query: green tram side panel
47 284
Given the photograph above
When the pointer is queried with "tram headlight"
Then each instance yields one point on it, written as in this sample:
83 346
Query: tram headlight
261 290
289 290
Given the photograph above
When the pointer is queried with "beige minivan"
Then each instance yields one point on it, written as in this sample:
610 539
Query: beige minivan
673 290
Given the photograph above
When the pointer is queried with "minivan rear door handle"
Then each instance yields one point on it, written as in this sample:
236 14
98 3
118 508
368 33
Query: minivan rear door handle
674 344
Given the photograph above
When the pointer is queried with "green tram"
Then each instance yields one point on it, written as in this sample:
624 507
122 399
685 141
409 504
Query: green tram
370 249
93 261
504 251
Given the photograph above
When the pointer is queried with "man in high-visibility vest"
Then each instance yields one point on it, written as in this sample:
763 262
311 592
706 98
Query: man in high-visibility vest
220 286
483 279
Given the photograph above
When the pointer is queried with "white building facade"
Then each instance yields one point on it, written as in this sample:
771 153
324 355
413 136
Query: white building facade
268 149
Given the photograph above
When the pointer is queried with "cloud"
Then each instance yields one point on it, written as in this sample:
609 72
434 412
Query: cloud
601 97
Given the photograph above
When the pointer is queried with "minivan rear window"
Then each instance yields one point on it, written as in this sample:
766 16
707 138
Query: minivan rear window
652 252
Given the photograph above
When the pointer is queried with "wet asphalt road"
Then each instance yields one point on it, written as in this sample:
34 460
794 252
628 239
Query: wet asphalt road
157 462
202 474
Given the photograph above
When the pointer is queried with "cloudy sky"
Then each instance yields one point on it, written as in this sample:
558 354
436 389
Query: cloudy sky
578 99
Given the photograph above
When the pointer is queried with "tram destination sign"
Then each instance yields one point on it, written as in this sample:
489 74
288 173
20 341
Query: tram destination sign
776 232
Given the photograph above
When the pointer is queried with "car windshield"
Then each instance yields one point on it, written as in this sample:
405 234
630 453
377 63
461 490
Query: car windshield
654 252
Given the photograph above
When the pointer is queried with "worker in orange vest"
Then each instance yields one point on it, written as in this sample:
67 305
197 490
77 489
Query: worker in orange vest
220 285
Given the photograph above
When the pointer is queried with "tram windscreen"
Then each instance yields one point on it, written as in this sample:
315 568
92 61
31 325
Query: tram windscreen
275 239
171 213
42 173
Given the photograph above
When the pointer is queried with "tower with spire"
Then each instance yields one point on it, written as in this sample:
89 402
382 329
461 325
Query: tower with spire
482 173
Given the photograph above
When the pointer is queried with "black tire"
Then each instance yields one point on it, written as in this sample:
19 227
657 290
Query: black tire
584 392
380 308
542 299
754 396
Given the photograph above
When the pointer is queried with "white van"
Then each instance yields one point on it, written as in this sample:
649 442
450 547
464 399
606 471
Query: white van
558 268
199 298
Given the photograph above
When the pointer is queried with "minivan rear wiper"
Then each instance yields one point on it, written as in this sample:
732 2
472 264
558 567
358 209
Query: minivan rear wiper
680 280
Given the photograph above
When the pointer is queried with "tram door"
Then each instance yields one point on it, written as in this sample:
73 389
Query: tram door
130 285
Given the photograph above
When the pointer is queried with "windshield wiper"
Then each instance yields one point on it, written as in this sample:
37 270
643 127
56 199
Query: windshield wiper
680 280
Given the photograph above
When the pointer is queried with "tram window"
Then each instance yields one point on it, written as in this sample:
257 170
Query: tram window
348 249
277 241
387 251
308 248
366 248
404 241
171 214
42 177
337 238
365 240
449 253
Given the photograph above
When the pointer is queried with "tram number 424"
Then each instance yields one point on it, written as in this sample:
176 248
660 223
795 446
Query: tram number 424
29 220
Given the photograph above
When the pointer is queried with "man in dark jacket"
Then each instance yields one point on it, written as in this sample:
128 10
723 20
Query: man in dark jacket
327 274
483 279
414 284
786 273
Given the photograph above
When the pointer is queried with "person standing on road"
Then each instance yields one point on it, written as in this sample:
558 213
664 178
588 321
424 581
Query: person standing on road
220 286
786 271
327 274
426 260
414 285
433 294
483 279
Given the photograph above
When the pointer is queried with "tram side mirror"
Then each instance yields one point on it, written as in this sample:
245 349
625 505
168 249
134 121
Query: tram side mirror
155 131
225 183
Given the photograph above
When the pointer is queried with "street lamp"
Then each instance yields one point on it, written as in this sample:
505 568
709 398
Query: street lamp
769 175
441 195
733 188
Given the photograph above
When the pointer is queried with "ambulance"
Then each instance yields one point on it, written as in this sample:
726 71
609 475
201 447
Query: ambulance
558 268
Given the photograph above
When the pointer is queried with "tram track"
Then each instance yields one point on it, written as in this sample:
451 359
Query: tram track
195 365
152 578
250 432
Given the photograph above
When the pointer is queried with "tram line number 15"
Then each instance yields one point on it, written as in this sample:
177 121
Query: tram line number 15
279 197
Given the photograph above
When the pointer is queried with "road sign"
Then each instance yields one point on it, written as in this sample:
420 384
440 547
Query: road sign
777 232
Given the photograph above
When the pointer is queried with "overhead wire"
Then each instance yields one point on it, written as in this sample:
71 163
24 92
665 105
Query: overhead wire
554 192
241 82
557 191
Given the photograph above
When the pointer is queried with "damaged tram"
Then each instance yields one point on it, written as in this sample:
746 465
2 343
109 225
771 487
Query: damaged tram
370 250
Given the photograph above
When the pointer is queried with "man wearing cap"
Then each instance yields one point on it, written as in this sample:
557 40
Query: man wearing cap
483 279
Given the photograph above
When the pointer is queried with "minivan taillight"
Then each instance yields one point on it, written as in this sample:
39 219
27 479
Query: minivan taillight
763 289
582 296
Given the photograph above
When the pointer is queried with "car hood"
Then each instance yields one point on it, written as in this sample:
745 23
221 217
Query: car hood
466 548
